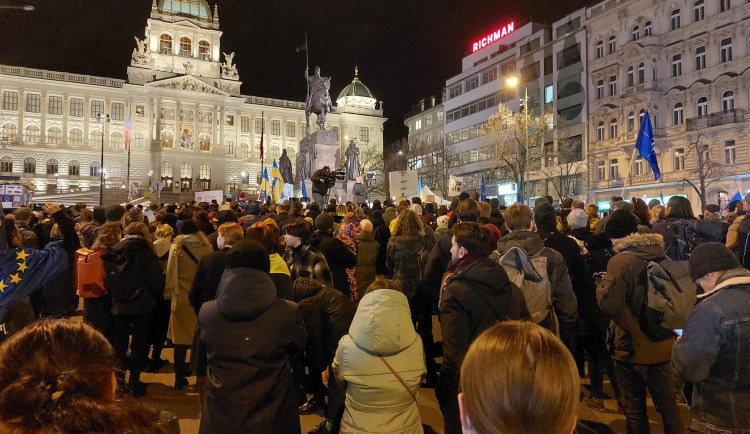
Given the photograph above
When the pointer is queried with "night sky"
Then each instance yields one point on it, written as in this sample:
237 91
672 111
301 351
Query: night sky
405 49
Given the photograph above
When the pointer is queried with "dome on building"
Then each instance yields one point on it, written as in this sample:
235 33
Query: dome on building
187 8
356 94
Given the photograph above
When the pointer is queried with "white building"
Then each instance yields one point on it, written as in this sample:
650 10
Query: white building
427 143
190 125
688 63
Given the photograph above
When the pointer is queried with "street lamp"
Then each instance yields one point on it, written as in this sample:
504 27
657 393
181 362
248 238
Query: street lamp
25 7
102 118
514 82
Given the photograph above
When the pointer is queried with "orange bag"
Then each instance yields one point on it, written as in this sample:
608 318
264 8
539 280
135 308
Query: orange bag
90 273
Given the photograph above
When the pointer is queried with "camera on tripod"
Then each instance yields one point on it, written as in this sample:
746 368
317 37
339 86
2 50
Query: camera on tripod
339 174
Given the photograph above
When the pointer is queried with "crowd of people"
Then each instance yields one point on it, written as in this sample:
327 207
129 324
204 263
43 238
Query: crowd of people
278 310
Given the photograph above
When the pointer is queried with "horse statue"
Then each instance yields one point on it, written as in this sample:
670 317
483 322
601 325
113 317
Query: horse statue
318 100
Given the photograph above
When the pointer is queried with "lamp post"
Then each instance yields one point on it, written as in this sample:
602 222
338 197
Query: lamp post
513 82
103 119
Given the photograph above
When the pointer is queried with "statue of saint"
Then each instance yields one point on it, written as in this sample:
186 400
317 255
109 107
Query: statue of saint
302 172
352 162
285 167
318 100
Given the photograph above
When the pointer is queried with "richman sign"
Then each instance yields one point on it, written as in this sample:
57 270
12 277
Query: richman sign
493 37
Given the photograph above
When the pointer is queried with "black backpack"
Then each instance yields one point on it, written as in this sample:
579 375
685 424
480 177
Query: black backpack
686 236
124 287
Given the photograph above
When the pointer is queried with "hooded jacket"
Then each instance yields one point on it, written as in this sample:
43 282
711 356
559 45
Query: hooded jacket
621 294
367 256
713 353
248 334
563 298
375 399
402 263
145 270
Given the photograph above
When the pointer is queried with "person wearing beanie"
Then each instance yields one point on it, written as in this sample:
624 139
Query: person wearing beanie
639 362
613 206
251 387
712 352
338 256
442 225
114 213
578 218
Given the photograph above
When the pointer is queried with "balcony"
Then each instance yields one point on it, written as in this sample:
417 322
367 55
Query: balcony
715 119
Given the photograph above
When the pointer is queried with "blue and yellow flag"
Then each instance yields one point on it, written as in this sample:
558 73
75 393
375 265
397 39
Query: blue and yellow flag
23 271
265 185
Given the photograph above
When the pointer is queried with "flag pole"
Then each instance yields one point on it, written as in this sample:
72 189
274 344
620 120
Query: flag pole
630 173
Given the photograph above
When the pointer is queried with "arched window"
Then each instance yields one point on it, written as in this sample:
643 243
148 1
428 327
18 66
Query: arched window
75 137
205 171
167 139
54 136
31 134
165 44
167 175
631 122
186 176
613 128
274 153
676 65
74 168
291 154
635 34
641 73
256 152
186 47
205 142
9 133
678 114
647 28
600 131
6 164
115 170
95 169
244 150
631 76
674 20
727 101
116 140
95 138
29 165
204 50
612 44
599 49
701 106
699 10
52 166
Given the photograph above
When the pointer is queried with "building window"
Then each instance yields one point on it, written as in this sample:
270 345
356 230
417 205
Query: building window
291 129
118 111
612 44
724 5
726 50
244 124
116 140
364 134
601 170
6 165
647 28
614 170
97 109
9 132
730 153
167 139
641 73
549 94
204 172
205 142
33 103
54 136
95 138
489 75
31 134
631 122
258 125
676 65
600 89
204 50
74 168
699 10
140 111
186 47
613 85
727 101
630 77
186 176
455 91
635 34
599 49
94 169
51 167
472 83
600 131
55 105
165 44
75 137
138 140
613 128
677 114
10 101
244 150
29 165
701 106
679 159
674 19
700 58
275 128
76 107
229 148
638 168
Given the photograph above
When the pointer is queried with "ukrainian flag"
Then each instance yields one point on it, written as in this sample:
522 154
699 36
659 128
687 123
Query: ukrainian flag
265 185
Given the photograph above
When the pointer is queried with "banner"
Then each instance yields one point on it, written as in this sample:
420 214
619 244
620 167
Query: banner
455 186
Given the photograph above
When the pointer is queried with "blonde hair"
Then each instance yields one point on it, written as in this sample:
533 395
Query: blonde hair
164 231
519 378
110 233
518 217
657 212
408 223
232 232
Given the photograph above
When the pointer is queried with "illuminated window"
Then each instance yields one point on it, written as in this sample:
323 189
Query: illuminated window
97 109
165 44
31 134
679 159
205 171
205 142
118 111
29 165
33 102
186 47
230 120
10 101
52 167
54 136
549 94
204 50
55 105
74 168
140 111
167 139
6 165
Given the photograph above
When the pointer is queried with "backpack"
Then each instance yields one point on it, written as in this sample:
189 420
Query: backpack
89 273
530 275
670 295
685 238
124 287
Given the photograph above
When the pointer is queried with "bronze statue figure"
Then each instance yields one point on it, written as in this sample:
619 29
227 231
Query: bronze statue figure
318 100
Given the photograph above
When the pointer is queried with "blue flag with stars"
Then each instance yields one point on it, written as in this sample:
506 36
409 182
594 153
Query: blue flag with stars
23 271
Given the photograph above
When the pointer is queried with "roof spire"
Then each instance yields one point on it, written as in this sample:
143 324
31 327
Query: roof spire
356 70
216 13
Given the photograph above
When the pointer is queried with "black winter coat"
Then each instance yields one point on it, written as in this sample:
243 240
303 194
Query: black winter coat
338 256
382 235
145 271
207 278
327 314
248 335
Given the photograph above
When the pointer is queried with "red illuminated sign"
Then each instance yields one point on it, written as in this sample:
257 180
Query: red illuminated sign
493 37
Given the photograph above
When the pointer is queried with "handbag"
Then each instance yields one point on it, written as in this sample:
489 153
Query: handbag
400 380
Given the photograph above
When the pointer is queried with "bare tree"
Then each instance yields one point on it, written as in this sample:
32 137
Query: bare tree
428 158
371 160
564 172
707 170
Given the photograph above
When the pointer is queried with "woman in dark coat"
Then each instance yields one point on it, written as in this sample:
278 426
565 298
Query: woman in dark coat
406 243
268 236
248 334
381 234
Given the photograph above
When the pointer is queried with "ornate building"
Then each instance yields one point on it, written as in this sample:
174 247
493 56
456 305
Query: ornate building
190 126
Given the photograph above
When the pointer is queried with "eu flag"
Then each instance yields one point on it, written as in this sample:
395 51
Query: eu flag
23 271
483 192
644 144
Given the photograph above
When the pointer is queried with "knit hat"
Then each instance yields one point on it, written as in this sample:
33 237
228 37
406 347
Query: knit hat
248 254
443 220
545 216
463 196
324 222
578 218
114 213
621 204
540 201
494 231
709 257
403 203
416 208
621 223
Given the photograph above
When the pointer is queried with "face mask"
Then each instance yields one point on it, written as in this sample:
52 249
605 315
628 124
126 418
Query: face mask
220 242
467 429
